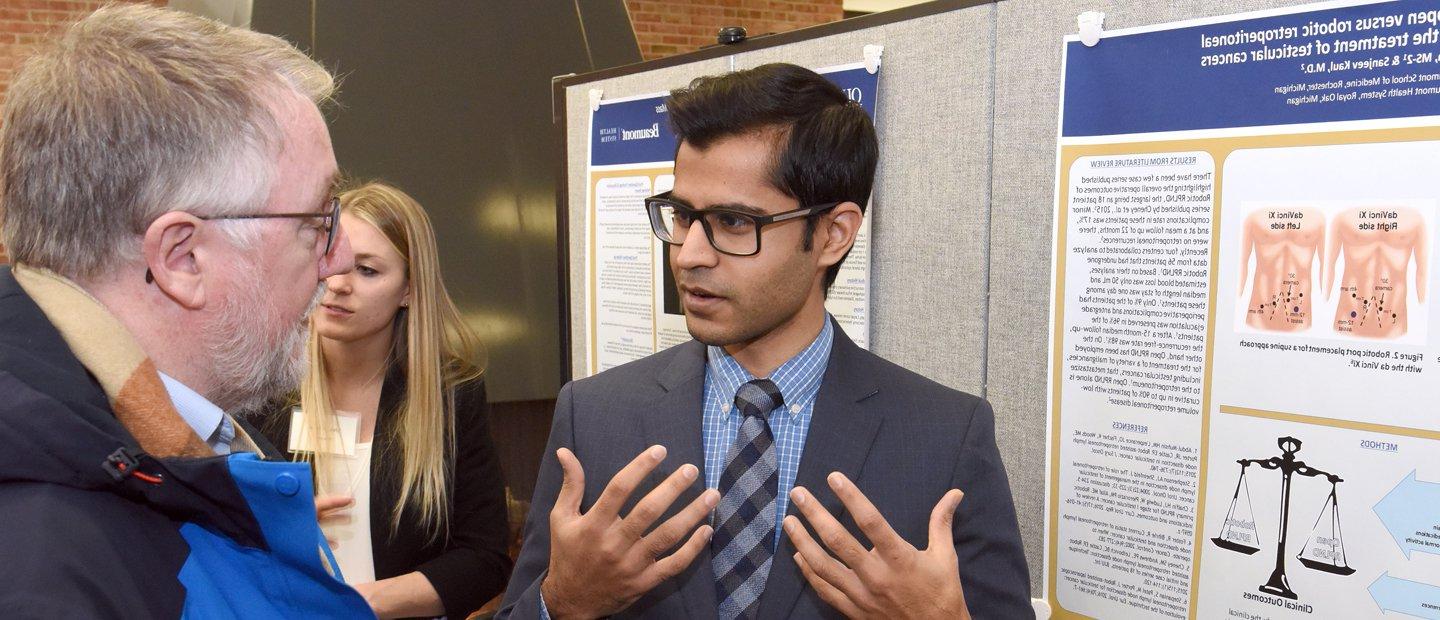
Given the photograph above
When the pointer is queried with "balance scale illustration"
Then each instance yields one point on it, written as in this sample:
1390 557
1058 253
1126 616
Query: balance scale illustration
1324 551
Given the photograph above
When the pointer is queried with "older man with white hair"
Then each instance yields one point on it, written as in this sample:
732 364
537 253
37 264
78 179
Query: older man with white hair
167 205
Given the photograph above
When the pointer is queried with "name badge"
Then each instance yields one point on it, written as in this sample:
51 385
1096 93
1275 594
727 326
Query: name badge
341 439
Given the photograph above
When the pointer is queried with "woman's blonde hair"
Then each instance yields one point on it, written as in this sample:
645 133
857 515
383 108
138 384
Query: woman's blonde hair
438 351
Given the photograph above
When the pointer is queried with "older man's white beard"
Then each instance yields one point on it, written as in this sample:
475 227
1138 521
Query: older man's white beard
252 363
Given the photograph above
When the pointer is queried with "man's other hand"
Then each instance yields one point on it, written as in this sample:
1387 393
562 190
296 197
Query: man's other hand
600 563
893 580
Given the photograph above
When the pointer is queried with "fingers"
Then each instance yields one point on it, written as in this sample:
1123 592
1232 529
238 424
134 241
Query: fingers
836 538
942 520
326 504
824 566
871 522
674 528
336 518
624 483
672 564
572 486
326 509
828 593
657 501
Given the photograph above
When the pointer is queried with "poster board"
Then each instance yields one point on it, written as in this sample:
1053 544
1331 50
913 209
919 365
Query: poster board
1240 323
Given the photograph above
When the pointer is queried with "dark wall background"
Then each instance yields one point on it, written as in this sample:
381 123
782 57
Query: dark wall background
451 102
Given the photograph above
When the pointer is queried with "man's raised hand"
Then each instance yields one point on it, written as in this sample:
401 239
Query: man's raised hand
893 580
601 562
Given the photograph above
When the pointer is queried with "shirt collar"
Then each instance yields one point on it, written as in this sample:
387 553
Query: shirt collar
202 415
798 378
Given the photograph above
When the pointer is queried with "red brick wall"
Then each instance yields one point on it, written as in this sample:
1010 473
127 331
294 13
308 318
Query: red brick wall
23 23
668 27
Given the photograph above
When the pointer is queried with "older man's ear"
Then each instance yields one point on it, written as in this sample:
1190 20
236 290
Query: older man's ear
175 258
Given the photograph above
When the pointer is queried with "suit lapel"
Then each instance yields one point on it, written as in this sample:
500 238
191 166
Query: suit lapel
674 420
842 430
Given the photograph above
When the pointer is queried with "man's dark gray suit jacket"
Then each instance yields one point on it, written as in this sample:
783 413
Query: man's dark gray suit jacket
904 440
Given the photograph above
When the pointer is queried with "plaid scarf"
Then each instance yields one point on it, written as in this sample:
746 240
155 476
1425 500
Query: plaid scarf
106 349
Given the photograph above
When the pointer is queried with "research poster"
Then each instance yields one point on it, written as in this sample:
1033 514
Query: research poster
632 309
1244 404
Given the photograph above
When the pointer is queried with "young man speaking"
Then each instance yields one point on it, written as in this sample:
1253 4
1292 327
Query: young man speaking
782 471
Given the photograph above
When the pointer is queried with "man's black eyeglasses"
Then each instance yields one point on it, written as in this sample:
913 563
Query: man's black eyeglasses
730 232
329 221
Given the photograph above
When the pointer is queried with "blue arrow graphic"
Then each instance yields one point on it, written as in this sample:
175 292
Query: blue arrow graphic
1407 597
1411 513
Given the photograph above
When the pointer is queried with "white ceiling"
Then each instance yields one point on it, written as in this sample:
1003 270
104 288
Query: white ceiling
876 6
232 12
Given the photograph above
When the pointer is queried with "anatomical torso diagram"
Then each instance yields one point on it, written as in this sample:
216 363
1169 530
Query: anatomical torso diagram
1378 243
1285 242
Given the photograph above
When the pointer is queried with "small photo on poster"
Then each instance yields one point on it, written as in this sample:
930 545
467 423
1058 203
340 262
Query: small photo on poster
1334 269
1281 249
1330 242
1376 265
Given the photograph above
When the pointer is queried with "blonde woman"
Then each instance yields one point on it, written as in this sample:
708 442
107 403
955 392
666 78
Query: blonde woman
393 417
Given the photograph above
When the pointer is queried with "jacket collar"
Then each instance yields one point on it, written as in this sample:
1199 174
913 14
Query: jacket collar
62 430
106 349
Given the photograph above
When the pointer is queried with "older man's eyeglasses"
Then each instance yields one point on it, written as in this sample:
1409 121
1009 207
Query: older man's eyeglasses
730 232
329 222
328 219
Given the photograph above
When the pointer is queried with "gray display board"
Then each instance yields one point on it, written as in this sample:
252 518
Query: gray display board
968 109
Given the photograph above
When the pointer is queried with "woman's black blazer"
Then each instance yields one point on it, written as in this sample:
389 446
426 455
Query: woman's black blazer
472 565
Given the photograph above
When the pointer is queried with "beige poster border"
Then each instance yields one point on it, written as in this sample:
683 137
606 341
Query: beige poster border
592 319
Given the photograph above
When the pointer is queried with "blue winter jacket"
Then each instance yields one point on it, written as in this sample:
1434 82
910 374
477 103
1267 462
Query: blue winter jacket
92 527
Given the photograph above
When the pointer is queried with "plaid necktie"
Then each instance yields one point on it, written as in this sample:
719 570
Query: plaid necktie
223 436
744 538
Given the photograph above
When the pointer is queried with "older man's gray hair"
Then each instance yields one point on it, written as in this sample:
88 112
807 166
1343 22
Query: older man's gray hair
132 112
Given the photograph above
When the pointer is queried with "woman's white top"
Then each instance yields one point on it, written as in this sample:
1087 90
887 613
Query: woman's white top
350 475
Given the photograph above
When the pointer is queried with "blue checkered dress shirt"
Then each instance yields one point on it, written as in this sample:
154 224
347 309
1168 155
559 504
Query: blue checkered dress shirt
799 382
